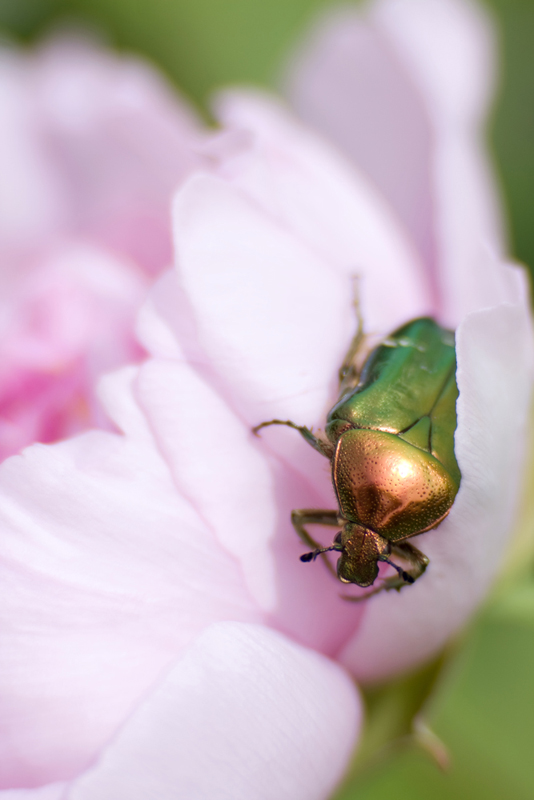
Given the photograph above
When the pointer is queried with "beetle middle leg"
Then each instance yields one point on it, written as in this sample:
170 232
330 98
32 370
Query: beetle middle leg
314 516
323 447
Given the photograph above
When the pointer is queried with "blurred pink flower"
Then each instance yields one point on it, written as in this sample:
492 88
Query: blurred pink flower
161 637
92 147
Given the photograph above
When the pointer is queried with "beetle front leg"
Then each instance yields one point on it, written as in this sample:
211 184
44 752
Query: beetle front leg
314 516
322 447
413 556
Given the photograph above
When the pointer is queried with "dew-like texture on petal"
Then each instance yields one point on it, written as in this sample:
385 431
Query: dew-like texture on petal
382 84
205 444
495 368
108 574
245 715
328 204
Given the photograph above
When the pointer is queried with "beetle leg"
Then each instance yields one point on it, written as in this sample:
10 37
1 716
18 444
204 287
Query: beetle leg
322 447
313 516
415 557
349 372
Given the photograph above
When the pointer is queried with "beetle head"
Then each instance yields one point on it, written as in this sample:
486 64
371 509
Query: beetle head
361 549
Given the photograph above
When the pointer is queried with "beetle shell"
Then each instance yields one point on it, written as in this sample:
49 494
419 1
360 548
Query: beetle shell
391 447
389 486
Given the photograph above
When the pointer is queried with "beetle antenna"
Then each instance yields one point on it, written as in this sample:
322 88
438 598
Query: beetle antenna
404 575
313 555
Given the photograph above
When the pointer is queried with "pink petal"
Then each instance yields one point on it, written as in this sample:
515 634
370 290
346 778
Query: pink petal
246 500
457 92
347 82
267 315
31 201
75 299
120 139
109 574
64 321
94 145
53 791
495 370
327 204
231 478
158 328
426 33
204 444
383 86
245 714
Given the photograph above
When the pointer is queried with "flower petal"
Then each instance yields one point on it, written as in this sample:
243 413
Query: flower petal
347 82
240 271
53 791
96 146
119 139
382 85
31 196
246 496
328 204
63 323
157 328
204 443
457 93
425 33
291 715
101 559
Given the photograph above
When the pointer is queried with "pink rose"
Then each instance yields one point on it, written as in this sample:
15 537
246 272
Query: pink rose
92 148
162 637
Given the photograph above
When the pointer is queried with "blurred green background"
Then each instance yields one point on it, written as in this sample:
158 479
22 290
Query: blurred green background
483 707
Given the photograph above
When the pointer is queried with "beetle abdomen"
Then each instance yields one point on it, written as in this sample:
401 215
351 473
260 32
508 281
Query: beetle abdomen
388 485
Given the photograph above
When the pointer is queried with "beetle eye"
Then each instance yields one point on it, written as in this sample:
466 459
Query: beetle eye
337 538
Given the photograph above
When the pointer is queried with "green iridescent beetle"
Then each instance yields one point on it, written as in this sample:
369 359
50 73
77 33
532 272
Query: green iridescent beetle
390 440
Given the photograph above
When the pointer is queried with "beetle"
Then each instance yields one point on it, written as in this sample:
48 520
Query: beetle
390 441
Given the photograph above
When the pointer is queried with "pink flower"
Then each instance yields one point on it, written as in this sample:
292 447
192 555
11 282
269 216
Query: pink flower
161 637
92 148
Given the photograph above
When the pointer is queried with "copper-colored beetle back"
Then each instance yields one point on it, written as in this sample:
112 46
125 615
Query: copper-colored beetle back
389 486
